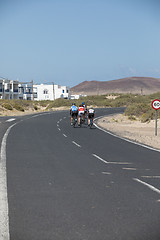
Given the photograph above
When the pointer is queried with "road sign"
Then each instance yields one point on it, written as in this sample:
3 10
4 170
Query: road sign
156 104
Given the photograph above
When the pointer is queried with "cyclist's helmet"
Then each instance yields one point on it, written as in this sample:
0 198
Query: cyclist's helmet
73 104
82 103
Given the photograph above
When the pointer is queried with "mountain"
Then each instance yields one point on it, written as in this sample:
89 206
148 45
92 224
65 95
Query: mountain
140 85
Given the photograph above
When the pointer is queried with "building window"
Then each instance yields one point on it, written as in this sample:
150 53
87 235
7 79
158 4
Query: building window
67 91
62 91
45 91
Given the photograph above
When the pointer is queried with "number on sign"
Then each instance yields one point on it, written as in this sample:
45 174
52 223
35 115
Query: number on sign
156 104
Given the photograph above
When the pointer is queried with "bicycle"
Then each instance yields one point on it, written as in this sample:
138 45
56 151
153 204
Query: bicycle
74 121
81 120
91 123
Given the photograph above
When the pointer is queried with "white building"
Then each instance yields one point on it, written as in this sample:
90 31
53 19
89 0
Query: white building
9 89
26 91
50 92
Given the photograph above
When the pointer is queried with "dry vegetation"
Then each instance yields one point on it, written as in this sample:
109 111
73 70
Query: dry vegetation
137 106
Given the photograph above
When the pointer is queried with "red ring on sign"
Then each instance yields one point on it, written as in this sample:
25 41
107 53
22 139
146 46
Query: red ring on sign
153 104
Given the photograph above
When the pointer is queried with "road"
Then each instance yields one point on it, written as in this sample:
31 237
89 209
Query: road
67 183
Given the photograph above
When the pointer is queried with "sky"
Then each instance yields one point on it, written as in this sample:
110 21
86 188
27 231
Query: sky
71 41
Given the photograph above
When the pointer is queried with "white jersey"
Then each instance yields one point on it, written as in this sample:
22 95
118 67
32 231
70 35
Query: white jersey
91 111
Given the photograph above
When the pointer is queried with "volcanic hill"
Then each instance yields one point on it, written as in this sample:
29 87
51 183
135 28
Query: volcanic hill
139 85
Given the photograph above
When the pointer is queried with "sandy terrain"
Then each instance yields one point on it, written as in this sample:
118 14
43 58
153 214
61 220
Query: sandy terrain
14 112
135 130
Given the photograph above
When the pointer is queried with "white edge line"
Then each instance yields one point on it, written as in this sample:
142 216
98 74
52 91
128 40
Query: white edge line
76 144
148 185
4 213
125 139
100 158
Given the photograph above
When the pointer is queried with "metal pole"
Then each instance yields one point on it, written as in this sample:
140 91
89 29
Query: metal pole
156 123
32 91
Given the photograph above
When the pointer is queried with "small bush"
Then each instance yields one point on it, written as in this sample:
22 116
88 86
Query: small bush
7 106
35 107
18 107
132 118
146 117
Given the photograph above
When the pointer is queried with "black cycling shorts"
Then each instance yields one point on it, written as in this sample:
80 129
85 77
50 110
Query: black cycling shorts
91 115
74 114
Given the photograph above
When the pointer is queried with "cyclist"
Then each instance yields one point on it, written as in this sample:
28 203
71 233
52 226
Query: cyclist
85 110
91 114
73 112
85 107
80 113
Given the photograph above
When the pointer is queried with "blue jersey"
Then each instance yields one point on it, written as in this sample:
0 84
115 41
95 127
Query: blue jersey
74 108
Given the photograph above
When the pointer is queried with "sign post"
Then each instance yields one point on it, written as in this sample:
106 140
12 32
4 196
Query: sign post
156 106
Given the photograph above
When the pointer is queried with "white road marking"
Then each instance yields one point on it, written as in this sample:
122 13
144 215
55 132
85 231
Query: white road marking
107 173
10 120
120 163
64 117
100 158
58 122
76 144
148 185
59 129
4 218
125 139
150 176
57 125
132 169
64 135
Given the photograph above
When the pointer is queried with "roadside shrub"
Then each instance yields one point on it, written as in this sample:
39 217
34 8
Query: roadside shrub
35 107
7 106
18 107
137 109
132 118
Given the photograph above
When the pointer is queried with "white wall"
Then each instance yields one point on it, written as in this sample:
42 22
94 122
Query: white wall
44 92
61 91
50 92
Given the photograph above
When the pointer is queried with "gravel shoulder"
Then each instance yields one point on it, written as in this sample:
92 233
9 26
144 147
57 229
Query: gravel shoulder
134 130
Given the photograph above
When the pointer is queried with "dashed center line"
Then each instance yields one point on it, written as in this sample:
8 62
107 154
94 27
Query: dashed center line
123 163
132 169
64 135
10 120
107 173
59 129
99 158
150 176
76 144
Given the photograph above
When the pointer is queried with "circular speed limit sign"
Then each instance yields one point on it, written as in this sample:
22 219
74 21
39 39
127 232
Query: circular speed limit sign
156 104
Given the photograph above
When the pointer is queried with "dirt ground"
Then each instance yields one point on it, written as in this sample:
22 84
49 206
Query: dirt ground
28 111
134 130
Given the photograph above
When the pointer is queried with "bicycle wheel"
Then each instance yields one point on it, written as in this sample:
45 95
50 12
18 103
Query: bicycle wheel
91 123
74 122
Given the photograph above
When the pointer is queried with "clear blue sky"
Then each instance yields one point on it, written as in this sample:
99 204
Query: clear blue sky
70 41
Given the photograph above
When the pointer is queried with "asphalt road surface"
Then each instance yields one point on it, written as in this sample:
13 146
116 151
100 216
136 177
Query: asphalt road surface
66 183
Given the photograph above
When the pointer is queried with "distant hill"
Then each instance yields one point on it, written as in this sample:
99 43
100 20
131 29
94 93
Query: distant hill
140 85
